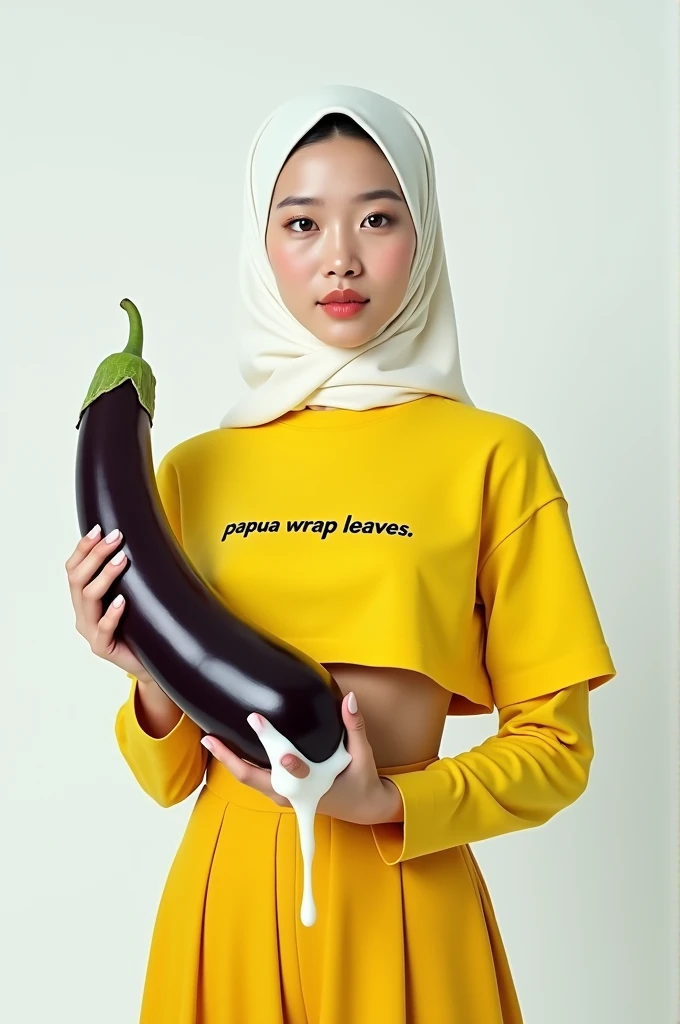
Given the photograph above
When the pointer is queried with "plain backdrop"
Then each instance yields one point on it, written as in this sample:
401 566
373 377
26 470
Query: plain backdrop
124 132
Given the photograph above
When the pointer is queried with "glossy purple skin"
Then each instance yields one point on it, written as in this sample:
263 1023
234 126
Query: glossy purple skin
214 666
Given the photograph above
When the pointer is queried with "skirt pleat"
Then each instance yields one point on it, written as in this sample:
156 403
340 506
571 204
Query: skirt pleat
411 943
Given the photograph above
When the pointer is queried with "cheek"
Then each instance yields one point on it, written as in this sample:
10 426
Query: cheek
290 266
393 263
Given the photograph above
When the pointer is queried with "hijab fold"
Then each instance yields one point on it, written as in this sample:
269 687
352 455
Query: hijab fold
415 353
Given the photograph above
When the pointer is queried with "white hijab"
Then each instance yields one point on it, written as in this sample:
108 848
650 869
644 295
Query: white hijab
415 353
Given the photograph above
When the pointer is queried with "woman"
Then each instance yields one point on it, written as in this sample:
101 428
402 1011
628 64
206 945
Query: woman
358 505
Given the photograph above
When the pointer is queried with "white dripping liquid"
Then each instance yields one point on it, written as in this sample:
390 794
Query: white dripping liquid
304 795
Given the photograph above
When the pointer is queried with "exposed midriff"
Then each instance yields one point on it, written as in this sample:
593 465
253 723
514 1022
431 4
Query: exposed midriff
404 711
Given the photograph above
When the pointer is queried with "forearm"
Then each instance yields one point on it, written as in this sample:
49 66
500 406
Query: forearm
156 712
536 765
392 808
160 743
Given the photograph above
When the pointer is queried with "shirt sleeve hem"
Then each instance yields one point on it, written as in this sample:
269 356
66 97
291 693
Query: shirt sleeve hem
425 794
594 664
175 741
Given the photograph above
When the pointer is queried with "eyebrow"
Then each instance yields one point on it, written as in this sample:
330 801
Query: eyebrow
363 197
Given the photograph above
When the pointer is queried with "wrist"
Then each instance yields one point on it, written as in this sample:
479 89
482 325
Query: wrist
392 808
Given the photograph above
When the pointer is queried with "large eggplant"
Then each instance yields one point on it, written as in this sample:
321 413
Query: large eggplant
217 667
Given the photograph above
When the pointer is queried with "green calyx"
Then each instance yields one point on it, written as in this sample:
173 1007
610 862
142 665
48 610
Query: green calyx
125 365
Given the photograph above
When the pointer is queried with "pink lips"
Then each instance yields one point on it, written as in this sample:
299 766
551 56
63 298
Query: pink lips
343 303
343 295
342 310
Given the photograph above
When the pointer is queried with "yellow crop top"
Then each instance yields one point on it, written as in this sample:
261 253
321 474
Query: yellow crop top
430 535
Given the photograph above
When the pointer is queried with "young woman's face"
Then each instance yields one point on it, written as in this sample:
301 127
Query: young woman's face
332 237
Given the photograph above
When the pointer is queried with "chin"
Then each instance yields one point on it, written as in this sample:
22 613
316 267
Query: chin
339 333
344 342
344 336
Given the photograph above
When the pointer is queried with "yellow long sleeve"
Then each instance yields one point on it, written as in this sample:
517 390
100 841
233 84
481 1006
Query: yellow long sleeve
169 767
537 764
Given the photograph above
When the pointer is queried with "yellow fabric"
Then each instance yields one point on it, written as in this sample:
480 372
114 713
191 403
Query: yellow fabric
391 945
479 585
168 768
541 626
467 492
227 937
536 765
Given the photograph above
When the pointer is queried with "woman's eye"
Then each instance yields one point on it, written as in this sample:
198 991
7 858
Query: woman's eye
306 220
299 220
377 216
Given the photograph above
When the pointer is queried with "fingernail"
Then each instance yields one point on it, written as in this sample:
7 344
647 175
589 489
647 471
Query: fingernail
110 537
254 722
287 761
206 743
352 703
94 531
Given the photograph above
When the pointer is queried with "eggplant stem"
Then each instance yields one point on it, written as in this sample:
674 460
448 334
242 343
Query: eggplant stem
125 365
136 338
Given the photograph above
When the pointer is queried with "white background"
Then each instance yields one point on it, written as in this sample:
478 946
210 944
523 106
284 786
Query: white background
124 132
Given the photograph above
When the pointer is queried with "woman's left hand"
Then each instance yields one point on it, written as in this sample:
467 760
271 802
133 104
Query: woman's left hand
358 794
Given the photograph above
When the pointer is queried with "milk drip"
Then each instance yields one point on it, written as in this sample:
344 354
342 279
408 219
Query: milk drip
304 795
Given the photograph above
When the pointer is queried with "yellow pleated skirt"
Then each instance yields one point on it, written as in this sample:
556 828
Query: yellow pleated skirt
411 943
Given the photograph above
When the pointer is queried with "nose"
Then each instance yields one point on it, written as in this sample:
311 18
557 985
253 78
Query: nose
339 258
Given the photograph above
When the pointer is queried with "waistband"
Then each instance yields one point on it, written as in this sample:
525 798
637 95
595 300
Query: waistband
219 780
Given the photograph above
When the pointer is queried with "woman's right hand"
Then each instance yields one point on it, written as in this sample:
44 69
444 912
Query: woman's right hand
86 595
